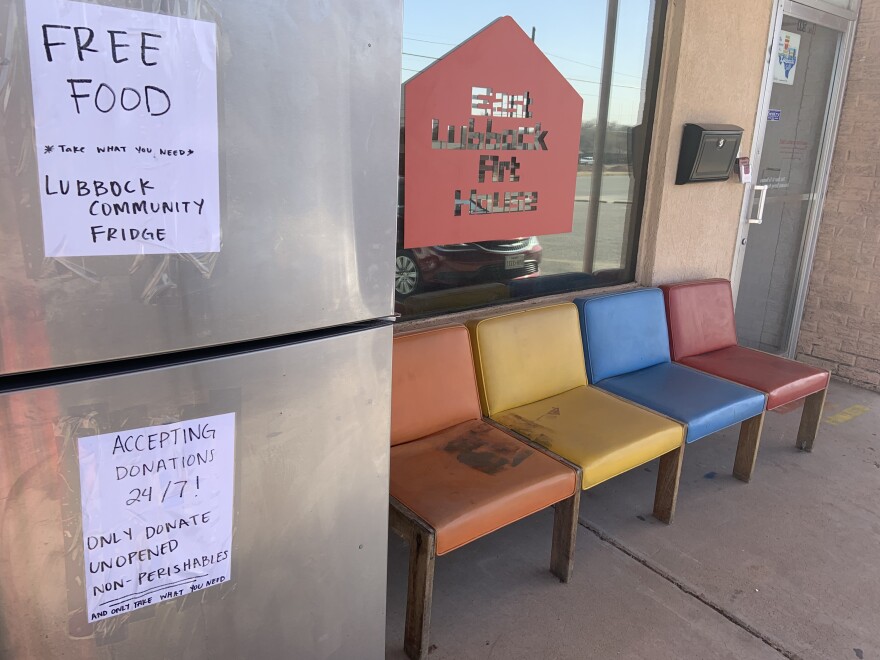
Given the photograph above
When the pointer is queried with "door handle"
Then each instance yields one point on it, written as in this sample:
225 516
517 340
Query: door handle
760 215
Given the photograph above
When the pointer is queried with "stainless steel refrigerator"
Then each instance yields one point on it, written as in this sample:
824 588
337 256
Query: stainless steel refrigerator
282 333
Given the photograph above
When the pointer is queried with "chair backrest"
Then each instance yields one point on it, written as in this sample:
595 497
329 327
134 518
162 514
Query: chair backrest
700 317
432 383
623 332
527 356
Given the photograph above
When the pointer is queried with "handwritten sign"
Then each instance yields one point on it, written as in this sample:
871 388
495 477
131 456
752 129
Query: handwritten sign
125 112
157 512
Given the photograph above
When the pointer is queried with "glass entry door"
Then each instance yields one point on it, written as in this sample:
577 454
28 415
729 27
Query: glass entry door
790 168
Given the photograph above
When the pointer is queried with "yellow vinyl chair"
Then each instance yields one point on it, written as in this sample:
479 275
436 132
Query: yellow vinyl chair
532 381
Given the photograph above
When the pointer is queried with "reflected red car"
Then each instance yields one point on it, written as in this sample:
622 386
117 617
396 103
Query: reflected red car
461 264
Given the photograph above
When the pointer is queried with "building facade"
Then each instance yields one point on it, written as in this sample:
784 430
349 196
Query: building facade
841 327
810 288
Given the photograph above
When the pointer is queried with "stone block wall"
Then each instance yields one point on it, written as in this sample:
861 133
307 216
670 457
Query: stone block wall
841 324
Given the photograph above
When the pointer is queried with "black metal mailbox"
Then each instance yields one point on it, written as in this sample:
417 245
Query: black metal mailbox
707 152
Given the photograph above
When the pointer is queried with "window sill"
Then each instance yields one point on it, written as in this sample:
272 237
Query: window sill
504 308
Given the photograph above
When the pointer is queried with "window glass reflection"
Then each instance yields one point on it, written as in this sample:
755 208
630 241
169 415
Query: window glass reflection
571 35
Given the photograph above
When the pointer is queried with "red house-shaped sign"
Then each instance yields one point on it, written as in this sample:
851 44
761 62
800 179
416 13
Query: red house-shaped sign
491 136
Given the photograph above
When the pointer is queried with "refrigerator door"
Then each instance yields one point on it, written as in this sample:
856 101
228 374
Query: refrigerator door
309 493
308 129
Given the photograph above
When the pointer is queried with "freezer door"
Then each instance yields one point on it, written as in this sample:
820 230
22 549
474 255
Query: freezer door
308 97
308 490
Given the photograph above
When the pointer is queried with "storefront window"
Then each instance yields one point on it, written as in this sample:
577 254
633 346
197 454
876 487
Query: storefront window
507 136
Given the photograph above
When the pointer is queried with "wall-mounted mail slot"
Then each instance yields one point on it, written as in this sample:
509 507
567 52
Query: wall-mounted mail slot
707 152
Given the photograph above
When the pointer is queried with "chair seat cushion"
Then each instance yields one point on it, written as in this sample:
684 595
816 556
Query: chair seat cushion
471 479
591 428
703 402
782 380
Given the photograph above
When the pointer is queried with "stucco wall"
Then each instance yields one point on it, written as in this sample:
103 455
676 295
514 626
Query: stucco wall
841 325
712 67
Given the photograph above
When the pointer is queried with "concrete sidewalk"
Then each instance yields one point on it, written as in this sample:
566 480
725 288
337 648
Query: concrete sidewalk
787 566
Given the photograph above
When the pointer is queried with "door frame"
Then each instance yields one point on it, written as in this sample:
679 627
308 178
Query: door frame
842 20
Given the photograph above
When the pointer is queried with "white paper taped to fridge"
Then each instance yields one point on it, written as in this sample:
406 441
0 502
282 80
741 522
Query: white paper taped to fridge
156 512
125 113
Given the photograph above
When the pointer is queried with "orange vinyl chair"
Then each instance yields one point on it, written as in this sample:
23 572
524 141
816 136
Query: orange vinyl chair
455 477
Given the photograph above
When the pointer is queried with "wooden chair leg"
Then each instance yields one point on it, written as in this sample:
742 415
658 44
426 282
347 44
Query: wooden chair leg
420 591
668 476
565 525
747 449
810 419
422 542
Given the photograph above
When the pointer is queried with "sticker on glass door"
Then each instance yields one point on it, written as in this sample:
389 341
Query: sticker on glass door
786 57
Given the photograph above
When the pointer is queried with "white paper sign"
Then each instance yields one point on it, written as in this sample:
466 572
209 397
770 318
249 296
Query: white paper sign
157 512
125 110
787 53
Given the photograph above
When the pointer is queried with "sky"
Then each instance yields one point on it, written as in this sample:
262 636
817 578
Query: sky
570 32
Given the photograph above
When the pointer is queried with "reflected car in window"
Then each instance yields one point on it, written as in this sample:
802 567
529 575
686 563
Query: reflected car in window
462 264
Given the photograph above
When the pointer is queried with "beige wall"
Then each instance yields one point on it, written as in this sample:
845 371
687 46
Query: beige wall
841 325
713 63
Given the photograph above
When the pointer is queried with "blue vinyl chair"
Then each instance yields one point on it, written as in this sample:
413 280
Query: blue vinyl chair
626 349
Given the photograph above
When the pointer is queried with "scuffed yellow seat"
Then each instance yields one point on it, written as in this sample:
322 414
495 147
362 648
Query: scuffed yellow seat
605 435
532 379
